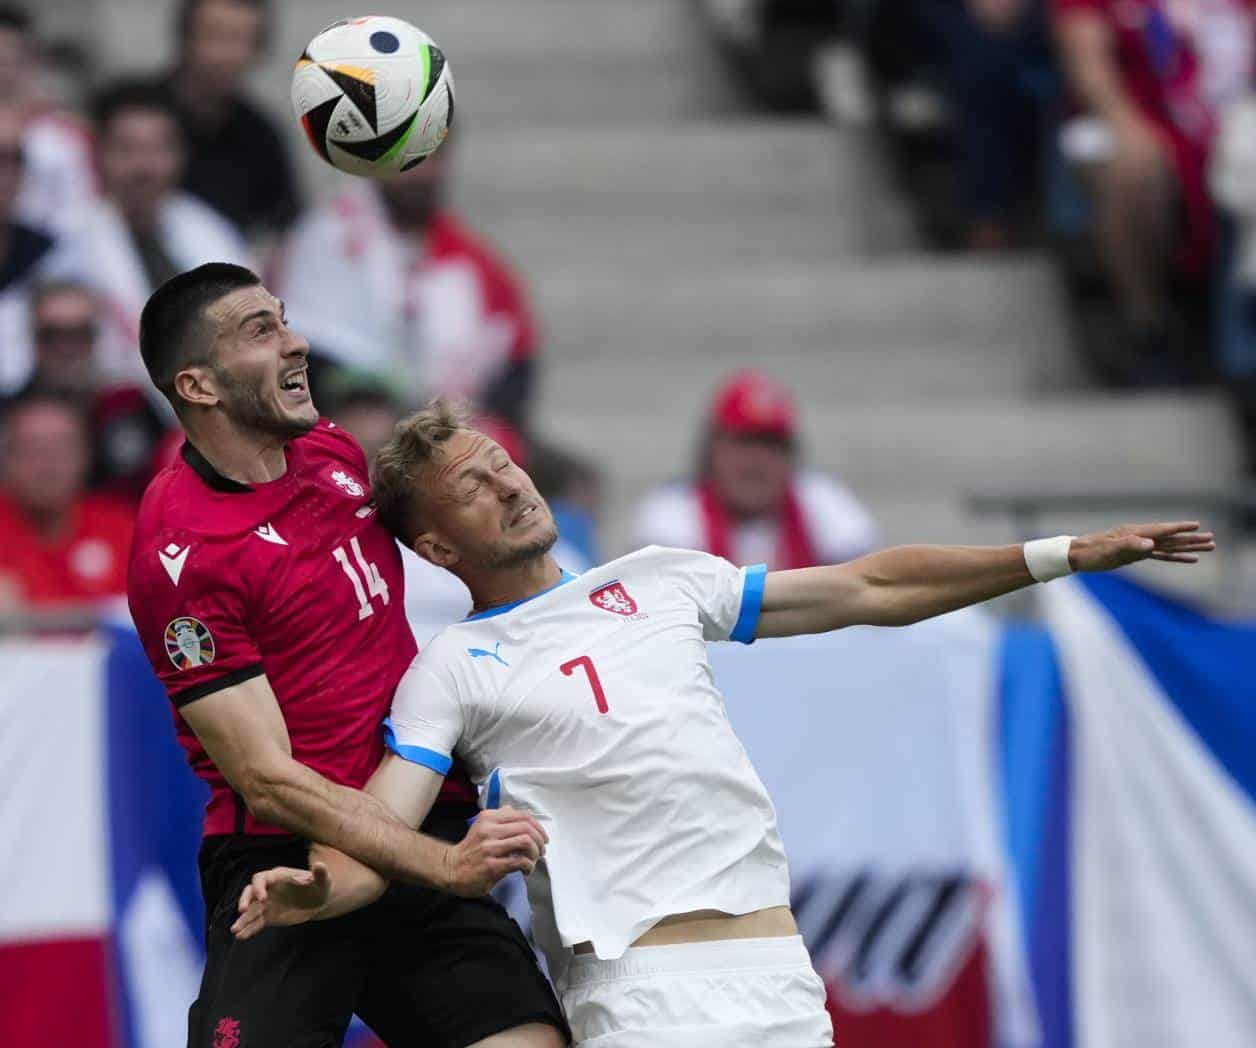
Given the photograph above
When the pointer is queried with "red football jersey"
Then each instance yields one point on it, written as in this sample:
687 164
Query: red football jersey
294 578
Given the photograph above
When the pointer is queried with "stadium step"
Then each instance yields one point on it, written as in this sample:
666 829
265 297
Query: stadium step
896 328
691 195
914 461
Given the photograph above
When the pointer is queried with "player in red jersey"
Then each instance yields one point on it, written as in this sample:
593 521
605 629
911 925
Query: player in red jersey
269 600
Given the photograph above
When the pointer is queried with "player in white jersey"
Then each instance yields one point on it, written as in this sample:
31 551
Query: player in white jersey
662 900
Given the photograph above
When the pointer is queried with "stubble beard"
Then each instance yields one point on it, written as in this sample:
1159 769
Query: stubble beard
512 556
246 408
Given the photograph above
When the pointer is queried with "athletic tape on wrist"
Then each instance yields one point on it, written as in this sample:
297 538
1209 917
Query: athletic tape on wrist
1047 559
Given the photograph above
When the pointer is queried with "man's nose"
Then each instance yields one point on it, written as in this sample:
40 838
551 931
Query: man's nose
294 344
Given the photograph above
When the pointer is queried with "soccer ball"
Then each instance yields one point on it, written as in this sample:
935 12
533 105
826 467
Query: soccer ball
375 95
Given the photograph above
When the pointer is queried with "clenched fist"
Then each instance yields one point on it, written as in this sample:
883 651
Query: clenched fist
500 841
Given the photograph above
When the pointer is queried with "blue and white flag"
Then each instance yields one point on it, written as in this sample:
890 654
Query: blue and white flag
1161 818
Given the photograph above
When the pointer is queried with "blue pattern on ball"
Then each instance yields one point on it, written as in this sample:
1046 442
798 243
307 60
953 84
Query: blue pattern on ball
384 42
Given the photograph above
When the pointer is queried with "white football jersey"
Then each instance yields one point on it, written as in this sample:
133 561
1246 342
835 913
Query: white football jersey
592 705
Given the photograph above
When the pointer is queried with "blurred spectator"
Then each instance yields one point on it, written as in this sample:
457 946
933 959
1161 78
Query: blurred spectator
750 502
129 427
1152 78
385 278
997 72
27 253
145 230
60 182
57 544
237 161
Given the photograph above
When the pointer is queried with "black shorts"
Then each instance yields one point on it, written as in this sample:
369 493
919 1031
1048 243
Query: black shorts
422 968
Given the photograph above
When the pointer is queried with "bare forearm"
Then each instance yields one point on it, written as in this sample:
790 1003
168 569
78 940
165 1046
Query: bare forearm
352 884
1086 48
905 584
302 801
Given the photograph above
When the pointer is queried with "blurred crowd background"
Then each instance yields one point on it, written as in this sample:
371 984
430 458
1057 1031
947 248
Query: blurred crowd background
785 280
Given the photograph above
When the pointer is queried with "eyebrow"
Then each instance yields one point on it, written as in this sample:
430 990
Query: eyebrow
266 312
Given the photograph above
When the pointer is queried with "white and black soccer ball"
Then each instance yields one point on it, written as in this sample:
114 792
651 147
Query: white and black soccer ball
374 95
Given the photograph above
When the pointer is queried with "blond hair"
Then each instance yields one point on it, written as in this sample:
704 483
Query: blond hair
416 442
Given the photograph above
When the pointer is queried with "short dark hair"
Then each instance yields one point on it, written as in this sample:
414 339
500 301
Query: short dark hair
15 19
122 95
170 326
187 9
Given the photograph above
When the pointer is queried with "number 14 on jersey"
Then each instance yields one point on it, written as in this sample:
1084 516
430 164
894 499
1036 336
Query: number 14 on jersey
368 583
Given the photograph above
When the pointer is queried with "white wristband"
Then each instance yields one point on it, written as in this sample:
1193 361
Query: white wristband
1047 559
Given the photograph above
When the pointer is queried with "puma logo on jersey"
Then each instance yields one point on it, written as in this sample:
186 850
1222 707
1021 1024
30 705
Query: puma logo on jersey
172 559
479 653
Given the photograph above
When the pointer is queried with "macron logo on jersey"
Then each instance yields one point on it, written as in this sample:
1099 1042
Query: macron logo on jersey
479 653
172 559
268 532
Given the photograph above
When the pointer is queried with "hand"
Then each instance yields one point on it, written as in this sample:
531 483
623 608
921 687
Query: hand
1179 543
280 897
500 841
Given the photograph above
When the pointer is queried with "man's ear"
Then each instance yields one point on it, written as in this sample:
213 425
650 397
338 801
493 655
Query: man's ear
197 385
430 547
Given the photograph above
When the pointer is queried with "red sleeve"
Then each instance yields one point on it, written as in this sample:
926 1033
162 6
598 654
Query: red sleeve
191 608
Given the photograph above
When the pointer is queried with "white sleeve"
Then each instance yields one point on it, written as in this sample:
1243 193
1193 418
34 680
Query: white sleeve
729 599
426 719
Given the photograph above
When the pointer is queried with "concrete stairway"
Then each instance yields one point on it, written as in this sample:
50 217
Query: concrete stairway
670 237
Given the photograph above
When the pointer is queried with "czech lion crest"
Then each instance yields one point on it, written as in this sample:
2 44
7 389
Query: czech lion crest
614 598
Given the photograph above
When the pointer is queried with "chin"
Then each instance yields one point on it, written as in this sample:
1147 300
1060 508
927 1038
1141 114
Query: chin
509 556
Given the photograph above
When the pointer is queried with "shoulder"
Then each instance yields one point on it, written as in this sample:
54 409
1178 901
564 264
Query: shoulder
432 670
665 561
329 441
669 516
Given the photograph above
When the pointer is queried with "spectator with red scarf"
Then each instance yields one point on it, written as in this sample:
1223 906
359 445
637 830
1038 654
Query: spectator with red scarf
751 503
1155 75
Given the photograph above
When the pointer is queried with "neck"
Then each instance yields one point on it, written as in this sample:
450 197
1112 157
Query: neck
501 586
243 455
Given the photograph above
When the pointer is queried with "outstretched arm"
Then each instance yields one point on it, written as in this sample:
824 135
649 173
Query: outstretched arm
902 585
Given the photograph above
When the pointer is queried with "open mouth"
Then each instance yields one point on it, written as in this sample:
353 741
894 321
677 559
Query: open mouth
295 382
523 516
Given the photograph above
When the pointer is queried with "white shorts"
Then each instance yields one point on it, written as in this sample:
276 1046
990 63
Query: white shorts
738 993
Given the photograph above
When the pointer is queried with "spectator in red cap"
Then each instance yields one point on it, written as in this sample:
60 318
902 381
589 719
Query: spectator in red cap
58 545
750 502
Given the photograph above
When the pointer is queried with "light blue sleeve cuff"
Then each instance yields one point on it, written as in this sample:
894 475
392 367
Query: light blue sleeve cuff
433 759
751 604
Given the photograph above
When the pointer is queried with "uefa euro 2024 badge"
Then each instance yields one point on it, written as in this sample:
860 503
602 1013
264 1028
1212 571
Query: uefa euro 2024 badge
189 643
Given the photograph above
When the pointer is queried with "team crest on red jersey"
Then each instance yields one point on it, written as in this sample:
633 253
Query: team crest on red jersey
348 484
613 597
189 643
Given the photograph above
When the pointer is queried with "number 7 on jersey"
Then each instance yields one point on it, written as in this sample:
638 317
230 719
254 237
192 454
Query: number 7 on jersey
595 682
